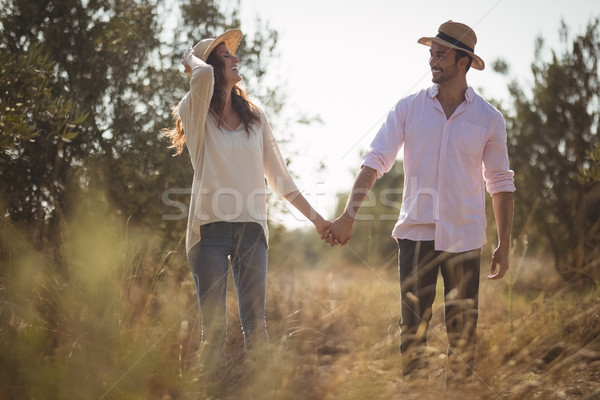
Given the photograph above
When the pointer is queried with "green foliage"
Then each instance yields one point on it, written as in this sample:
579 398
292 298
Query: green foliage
29 108
83 54
551 133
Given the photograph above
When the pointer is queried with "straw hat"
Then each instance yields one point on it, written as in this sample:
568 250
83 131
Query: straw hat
456 36
231 38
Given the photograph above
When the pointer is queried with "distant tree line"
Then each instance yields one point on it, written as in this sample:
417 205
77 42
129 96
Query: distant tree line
554 143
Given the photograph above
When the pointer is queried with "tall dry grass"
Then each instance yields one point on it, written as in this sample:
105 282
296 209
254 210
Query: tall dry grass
115 317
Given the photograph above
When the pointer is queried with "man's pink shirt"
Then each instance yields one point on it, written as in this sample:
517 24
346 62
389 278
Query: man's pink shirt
447 162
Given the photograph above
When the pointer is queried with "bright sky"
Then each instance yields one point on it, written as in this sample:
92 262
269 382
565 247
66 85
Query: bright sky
351 61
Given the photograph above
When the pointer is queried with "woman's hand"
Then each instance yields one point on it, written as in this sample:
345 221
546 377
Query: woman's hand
321 224
189 61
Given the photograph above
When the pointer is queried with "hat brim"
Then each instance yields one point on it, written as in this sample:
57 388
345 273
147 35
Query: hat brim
477 61
231 38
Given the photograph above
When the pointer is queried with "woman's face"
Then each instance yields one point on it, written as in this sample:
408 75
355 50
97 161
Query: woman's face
230 67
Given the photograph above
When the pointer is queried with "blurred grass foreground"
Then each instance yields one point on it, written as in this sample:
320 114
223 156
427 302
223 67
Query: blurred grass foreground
114 316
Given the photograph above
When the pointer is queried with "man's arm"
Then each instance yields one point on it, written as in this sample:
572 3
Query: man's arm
503 204
340 230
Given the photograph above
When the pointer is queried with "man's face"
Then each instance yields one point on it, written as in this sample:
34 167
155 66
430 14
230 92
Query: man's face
442 61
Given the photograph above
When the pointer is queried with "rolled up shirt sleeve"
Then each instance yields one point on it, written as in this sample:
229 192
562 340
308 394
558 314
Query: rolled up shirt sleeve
497 174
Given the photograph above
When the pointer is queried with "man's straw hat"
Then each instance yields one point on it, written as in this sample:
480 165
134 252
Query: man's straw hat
456 36
231 38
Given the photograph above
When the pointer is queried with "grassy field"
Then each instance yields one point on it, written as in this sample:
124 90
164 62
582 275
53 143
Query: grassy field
115 318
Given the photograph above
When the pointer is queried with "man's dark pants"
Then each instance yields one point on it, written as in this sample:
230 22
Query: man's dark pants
418 265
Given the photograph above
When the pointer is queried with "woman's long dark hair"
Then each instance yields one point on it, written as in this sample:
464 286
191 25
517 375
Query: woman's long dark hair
247 111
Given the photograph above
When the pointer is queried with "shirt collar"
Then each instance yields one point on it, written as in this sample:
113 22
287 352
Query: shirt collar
469 93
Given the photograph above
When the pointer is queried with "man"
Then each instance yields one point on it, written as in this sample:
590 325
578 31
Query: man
454 143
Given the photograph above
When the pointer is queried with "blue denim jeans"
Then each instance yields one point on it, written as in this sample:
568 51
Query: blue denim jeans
243 245
419 264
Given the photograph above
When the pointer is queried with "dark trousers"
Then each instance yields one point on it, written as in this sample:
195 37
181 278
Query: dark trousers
418 265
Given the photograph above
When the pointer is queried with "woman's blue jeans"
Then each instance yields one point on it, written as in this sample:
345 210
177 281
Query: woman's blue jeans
243 245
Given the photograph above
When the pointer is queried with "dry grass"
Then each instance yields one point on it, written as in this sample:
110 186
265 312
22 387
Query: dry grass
117 319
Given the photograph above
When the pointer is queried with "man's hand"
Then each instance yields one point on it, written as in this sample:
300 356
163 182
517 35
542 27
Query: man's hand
499 263
340 231
503 204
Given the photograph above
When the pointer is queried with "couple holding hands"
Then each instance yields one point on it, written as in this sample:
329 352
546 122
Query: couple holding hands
454 146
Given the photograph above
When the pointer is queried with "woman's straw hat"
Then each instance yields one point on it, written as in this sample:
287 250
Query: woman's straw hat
456 36
231 38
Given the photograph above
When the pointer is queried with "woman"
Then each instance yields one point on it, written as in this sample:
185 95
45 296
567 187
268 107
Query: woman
232 149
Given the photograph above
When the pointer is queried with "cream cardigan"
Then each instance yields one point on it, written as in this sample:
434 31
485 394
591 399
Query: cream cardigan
229 166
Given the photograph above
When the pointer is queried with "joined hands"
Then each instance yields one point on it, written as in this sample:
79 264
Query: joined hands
339 231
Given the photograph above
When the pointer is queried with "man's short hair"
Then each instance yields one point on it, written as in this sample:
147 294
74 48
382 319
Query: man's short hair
460 54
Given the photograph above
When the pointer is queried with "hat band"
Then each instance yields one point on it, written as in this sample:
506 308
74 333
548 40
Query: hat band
455 42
